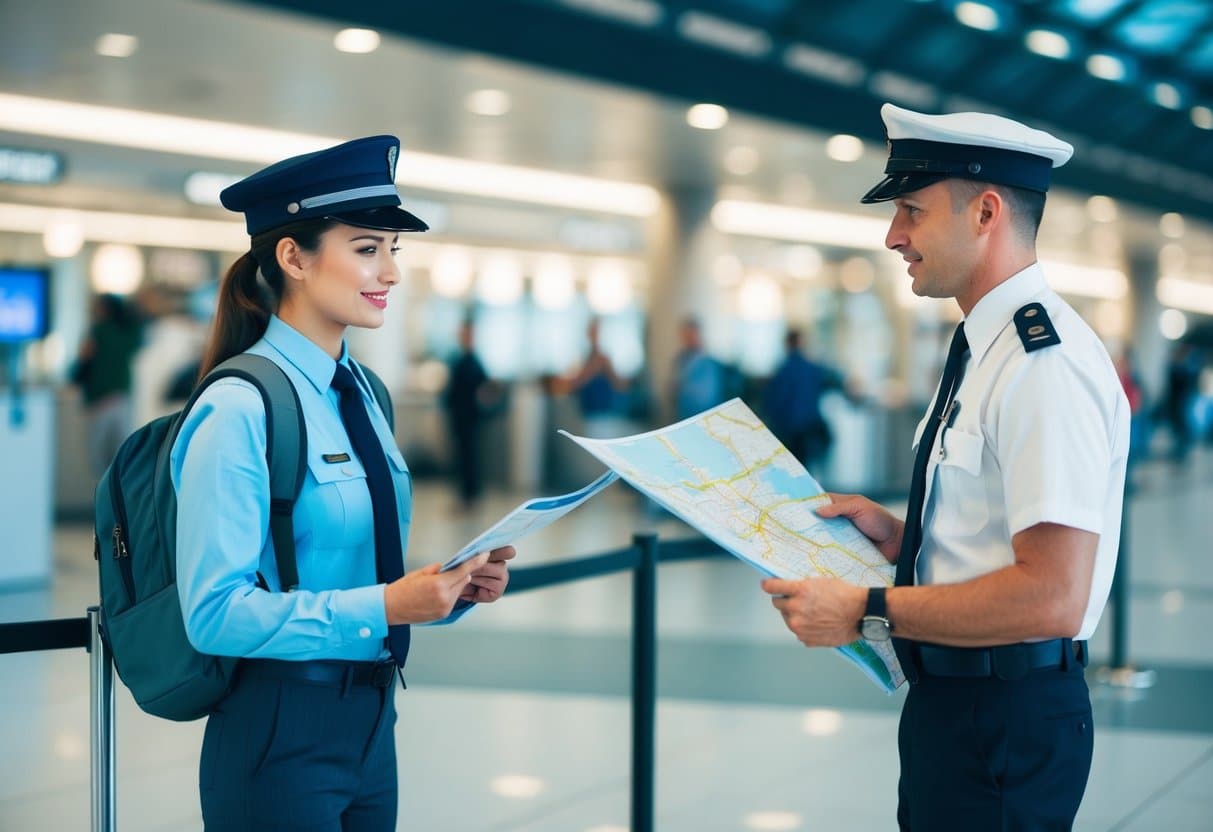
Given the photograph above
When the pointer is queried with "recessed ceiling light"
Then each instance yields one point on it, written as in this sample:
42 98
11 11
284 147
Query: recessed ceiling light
1102 208
1202 117
1048 43
707 116
844 148
488 102
356 41
1171 225
978 16
1166 95
113 45
1107 67
1172 324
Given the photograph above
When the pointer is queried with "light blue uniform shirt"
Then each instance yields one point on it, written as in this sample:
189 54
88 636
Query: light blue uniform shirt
221 476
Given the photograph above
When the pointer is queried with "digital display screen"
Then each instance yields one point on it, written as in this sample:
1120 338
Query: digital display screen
24 304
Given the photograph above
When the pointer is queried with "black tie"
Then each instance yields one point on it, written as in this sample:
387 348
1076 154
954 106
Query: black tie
911 539
389 554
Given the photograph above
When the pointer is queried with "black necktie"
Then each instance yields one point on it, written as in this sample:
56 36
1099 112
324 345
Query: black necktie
389 553
911 539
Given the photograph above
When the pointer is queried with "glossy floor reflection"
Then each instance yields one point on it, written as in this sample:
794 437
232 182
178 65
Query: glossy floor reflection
517 718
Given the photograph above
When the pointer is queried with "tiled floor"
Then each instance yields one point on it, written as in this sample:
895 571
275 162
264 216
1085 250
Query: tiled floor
517 718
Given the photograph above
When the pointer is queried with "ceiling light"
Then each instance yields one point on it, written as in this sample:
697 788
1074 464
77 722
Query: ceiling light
517 785
553 283
707 116
116 269
64 235
977 16
237 142
799 225
1107 67
488 102
609 288
500 281
844 148
759 299
134 229
1171 225
356 41
1191 295
1166 95
1172 324
722 34
451 271
117 46
802 262
1087 281
1048 43
1202 117
856 275
741 160
819 63
635 12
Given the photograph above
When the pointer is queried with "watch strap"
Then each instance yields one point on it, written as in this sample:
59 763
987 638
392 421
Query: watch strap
877 605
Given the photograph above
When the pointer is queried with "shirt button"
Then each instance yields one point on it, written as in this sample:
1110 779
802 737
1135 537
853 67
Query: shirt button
365 632
347 470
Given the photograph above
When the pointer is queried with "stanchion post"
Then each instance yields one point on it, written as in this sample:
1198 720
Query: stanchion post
101 729
1120 673
644 681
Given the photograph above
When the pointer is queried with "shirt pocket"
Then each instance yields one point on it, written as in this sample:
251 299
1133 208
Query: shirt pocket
961 505
339 506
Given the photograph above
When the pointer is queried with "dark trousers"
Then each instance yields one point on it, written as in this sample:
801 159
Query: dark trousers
286 754
467 458
992 754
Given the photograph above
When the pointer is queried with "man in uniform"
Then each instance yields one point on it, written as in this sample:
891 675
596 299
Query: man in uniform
1005 559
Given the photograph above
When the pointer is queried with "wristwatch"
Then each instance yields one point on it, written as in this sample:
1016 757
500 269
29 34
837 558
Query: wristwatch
875 624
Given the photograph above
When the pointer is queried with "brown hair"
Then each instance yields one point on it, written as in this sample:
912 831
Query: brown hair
246 303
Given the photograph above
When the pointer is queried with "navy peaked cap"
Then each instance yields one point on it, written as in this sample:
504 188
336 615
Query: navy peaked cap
925 149
354 183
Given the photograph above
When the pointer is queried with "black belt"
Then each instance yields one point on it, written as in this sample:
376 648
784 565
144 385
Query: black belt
336 673
1006 661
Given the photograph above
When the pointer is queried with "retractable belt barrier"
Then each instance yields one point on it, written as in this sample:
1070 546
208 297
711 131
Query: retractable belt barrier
640 558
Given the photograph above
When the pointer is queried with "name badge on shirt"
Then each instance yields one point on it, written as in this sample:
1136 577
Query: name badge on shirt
335 458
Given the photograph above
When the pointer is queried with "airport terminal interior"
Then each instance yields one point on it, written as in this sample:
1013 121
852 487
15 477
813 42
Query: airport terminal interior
604 169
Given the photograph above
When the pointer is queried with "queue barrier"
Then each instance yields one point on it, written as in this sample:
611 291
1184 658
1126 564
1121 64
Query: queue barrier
640 558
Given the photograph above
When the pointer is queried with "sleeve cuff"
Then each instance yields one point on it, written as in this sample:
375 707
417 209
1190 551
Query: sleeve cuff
361 614
1073 516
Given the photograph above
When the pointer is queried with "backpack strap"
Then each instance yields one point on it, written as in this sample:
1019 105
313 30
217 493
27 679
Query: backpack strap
381 394
285 448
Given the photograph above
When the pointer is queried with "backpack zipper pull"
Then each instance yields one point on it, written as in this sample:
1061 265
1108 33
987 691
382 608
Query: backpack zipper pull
119 543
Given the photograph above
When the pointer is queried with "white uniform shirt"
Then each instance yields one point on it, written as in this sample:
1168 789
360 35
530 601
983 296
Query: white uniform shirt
1039 437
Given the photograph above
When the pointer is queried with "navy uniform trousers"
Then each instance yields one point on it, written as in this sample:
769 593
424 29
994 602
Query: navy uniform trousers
284 753
986 753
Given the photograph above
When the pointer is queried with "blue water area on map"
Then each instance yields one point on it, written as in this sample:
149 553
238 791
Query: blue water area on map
712 459
784 482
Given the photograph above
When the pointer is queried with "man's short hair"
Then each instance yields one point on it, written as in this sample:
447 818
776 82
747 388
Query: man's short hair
1027 207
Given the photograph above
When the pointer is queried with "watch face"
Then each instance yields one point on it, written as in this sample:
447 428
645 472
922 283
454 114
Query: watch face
874 628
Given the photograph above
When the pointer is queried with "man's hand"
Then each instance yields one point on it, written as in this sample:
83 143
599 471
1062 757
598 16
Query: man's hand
427 594
821 612
488 583
872 519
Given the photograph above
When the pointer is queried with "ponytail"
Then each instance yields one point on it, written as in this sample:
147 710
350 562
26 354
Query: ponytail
246 301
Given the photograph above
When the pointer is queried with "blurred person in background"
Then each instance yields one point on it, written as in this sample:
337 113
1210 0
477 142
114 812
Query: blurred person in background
103 373
1139 419
468 395
1183 372
791 403
596 385
698 377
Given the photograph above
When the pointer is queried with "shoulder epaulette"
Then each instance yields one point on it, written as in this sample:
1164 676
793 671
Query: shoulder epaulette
1034 327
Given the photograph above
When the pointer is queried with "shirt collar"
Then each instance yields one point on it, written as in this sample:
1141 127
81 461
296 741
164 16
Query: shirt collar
316 365
996 309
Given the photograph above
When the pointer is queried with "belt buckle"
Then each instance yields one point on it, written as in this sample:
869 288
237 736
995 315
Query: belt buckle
382 674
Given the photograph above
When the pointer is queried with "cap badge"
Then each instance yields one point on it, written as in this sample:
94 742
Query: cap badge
392 153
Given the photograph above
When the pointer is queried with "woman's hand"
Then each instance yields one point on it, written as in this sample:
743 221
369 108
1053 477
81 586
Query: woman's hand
489 581
428 594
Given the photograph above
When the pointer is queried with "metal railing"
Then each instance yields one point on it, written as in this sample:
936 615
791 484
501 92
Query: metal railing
641 559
